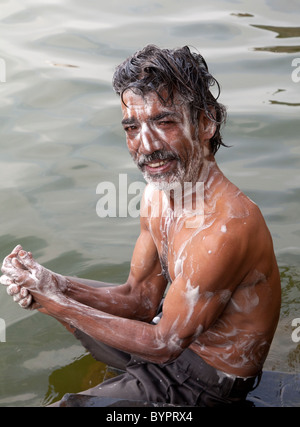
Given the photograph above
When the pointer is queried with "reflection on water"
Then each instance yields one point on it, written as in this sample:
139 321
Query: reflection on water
283 343
288 104
242 15
82 374
279 49
61 136
282 32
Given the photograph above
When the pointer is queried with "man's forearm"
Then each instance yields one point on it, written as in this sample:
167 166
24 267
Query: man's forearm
107 297
87 292
127 335
90 283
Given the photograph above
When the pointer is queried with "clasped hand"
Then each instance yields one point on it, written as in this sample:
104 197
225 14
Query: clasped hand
27 281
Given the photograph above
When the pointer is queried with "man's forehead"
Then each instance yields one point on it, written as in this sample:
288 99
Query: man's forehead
148 103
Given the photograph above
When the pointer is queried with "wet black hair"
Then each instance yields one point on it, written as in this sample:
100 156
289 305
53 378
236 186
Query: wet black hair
174 71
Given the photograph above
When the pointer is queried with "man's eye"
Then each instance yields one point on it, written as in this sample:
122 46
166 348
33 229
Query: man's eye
130 128
165 122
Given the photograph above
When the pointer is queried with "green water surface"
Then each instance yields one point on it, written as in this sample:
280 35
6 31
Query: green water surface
61 136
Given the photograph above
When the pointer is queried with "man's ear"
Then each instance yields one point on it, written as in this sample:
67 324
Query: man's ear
207 127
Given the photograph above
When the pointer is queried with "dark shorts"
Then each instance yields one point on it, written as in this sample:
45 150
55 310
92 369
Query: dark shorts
188 380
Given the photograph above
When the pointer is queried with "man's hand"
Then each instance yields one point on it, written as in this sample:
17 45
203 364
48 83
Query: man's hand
20 295
26 278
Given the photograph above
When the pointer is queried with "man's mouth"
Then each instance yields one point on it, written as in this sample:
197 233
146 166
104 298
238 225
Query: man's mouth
157 163
159 167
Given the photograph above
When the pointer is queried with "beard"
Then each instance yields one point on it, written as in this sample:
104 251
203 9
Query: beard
161 181
166 181
170 180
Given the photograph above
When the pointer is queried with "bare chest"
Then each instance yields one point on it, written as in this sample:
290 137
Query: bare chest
169 235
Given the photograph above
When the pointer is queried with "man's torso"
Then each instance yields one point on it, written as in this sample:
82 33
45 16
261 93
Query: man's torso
239 340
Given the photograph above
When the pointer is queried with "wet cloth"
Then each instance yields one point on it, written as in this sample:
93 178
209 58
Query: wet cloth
188 380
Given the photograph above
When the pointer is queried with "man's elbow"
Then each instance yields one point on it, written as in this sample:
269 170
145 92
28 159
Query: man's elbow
168 357
167 350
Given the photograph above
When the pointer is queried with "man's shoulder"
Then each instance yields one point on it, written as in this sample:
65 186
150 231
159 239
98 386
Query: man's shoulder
234 224
247 213
235 204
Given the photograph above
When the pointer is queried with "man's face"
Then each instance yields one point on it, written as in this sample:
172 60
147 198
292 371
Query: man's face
161 139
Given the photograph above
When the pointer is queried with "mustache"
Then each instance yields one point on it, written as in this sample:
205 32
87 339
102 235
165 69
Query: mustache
144 159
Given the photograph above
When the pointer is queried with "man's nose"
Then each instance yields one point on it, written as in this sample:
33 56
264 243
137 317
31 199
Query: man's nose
149 141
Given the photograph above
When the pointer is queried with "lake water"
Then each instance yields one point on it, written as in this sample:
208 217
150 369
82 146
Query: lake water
61 136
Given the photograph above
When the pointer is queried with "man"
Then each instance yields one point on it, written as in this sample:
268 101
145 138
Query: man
208 253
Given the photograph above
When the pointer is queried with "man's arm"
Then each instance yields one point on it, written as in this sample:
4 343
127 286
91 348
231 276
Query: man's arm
139 297
118 316
195 299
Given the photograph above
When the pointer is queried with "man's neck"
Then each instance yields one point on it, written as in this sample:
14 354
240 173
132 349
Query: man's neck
190 196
